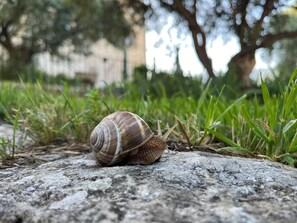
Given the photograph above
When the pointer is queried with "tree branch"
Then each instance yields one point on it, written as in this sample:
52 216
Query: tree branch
199 36
194 7
272 38
267 41
243 26
267 8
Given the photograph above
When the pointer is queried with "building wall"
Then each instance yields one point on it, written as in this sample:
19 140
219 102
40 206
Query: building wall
104 65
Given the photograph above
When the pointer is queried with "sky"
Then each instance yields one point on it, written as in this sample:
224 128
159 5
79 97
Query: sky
161 48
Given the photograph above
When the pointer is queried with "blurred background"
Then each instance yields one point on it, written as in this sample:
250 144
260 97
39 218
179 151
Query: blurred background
162 46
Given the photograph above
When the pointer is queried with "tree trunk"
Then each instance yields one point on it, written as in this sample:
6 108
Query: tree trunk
240 68
22 57
19 60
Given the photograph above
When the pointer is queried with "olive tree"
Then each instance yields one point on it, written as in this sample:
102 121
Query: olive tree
247 20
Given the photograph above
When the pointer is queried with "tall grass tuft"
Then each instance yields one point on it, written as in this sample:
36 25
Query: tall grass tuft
266 131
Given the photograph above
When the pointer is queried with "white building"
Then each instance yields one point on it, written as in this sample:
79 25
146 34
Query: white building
104 65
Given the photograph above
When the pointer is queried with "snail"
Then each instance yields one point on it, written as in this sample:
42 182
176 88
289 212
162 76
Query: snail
124 138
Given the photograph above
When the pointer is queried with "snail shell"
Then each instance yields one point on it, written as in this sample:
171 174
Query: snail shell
124 137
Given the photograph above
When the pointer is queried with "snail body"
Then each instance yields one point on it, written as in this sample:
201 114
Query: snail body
125 138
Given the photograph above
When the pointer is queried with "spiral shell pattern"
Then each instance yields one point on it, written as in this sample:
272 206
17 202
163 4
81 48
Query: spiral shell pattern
117 135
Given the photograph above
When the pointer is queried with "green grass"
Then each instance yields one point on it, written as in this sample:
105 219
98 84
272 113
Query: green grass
262 127
267 130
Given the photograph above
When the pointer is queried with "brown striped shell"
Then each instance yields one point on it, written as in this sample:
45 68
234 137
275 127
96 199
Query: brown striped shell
117 136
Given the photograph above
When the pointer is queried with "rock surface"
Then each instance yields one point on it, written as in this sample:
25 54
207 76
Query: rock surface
182 187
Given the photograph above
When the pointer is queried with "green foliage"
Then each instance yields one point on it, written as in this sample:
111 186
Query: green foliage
162 84
247 125
60 79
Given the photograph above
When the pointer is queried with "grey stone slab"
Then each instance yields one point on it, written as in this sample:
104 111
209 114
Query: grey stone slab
182 187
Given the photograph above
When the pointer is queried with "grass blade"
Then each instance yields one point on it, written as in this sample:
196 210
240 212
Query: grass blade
223 138
294 74
236 102
289 125
203 96
236 150
253 126
267 99
289 102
